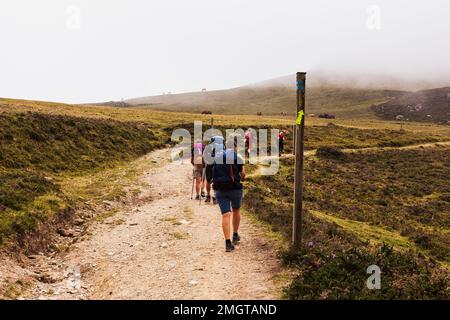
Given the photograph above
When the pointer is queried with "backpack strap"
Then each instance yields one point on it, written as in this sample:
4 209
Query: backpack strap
231 167
231 173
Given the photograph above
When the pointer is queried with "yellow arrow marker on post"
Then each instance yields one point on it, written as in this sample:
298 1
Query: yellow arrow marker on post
300 117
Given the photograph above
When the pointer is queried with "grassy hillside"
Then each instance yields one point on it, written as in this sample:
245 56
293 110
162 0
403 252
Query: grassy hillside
427 105
385 206
38 152
152 118
361 209
343 102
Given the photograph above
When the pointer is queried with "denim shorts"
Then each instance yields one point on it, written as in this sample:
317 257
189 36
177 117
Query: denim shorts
229 199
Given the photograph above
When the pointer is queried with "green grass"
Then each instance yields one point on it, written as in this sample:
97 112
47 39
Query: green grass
390 188
58 143
19 188
374 234
368 232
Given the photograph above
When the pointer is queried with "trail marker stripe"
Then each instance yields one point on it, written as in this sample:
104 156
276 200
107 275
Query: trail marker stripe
300 117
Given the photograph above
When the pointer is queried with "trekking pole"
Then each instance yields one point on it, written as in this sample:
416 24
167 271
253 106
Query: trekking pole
202 184
193 179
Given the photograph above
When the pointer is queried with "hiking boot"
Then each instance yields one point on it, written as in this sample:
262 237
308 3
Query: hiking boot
197 197
208 198
236 238
229 247
203 194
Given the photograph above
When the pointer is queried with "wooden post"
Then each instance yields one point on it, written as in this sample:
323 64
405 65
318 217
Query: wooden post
212 122
293 138
299 148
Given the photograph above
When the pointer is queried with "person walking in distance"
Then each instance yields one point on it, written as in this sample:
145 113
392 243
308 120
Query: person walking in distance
281 137
228 172
198 163
248 141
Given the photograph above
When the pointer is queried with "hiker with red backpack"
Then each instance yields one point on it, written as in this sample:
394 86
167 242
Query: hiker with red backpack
227 174
281 137
198 163
248 140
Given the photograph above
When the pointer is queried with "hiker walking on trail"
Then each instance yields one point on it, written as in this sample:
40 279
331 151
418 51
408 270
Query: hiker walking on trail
227 176
248 138
218 146
208 179
281 137
198 164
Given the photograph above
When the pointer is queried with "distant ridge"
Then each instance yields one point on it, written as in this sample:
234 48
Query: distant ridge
345 96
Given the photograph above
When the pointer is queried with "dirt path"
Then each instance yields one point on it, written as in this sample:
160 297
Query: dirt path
168 248
408 147
311 153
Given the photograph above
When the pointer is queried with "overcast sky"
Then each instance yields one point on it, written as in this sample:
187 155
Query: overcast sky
98 50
